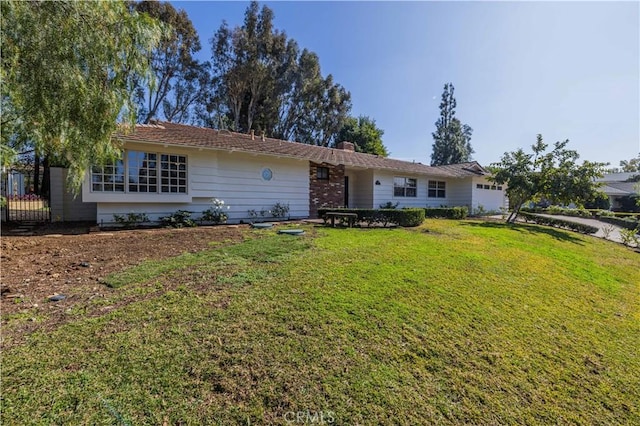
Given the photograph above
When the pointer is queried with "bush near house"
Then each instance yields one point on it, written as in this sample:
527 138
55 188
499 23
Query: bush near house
558 223
402 217
447 212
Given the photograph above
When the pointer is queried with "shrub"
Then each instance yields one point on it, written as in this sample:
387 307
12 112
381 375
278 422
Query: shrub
626 223
630 237
389 205
607 230
403 217
179 219
447 212
280 210
409 217
131 219
216 213
558 223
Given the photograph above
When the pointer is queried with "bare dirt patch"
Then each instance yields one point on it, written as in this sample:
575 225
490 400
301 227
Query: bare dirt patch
33 268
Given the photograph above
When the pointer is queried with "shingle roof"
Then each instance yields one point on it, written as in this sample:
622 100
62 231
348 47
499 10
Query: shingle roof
201 137
618 188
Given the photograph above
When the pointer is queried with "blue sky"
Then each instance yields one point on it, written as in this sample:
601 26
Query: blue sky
567 70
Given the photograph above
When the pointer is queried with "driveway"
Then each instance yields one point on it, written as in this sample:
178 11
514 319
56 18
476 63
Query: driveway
614 234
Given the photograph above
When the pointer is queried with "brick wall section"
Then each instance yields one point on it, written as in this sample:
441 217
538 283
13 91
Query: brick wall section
323 192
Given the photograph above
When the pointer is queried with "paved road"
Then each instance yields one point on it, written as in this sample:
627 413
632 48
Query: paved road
614 235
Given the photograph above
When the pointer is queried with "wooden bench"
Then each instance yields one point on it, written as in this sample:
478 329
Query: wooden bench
351 218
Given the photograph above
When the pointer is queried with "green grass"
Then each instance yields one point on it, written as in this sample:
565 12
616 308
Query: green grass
453 322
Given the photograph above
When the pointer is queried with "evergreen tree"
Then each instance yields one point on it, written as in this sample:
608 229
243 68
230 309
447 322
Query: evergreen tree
452 139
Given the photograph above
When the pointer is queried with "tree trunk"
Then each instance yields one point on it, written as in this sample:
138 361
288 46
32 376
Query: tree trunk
514 214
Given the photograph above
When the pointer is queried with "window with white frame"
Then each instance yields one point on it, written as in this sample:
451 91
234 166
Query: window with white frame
143 171
436 189
405 187
109 178
148 172
173 173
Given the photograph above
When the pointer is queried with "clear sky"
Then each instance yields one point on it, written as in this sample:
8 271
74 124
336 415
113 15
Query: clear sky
567 70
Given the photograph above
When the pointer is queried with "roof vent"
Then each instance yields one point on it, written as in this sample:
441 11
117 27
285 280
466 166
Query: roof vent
346 146
253 135
263 135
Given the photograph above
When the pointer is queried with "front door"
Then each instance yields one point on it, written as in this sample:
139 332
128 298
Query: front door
346 191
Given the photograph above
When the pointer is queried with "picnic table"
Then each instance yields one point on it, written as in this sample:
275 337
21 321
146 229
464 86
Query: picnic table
350 217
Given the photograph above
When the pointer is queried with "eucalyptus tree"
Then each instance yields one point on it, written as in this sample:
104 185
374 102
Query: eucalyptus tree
176 85
262 81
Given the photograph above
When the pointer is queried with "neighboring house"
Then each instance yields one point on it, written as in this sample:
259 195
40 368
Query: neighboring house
617 185
168 166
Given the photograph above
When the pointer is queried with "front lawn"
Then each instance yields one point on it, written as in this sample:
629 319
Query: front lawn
449 323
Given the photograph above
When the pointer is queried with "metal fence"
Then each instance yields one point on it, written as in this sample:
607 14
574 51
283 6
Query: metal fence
20 204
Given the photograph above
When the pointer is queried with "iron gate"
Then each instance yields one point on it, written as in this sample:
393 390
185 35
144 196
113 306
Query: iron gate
21 204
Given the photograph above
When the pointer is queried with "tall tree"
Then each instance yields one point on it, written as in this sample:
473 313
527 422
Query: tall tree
177 75
69 69
452 139
554 175
263 82
364 134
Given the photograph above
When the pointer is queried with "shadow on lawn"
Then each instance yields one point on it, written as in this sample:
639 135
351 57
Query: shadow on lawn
558 234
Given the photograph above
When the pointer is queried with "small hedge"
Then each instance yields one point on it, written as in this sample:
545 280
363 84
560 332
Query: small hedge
559 211
447 212
627 223
558 223
401 217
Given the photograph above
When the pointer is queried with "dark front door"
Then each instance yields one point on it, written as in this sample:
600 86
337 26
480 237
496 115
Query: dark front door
346 191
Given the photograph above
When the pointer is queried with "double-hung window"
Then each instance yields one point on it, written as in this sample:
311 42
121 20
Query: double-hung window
142 172
436 189
405 187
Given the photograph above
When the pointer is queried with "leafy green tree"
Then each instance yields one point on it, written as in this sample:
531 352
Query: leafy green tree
632 165
364 134
452 139
69 69
554 176
177 75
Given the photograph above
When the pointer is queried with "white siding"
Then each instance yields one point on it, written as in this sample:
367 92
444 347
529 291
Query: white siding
233 177
239 183
383 193
489 199
459 192
65 207
361 186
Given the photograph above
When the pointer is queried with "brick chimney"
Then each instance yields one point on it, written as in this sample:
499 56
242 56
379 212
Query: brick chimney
346 146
